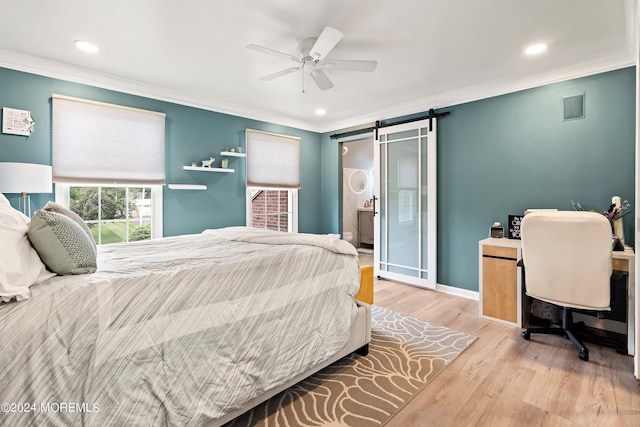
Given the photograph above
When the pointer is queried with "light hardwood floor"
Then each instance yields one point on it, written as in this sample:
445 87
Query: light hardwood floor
503 380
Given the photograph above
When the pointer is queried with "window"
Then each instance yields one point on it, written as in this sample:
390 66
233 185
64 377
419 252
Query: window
116 214
272 209
273 179
108 166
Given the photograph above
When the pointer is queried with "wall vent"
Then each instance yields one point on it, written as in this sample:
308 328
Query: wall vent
573 107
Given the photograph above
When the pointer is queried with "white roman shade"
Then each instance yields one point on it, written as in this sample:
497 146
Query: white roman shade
99 143
272 160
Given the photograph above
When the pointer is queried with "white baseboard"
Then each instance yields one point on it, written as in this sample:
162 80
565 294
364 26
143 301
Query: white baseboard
452 290
445 289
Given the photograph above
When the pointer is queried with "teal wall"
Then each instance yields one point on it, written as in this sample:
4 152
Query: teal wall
502 155
192 134
496 157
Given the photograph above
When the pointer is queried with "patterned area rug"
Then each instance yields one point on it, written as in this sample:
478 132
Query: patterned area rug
405 354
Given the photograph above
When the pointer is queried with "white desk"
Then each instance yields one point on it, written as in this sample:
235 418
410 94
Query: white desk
501 288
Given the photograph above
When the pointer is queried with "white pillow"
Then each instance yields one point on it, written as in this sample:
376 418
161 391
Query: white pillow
20 265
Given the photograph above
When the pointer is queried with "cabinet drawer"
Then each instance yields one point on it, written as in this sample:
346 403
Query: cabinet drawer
620 264
499 251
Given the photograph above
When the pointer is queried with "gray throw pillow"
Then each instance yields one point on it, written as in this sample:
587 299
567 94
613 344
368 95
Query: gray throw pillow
55 207
61 243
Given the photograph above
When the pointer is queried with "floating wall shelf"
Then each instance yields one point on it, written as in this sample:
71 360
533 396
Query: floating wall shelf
232 154
187 187
201 169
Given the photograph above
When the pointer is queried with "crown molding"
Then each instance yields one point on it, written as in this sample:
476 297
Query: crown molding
67 72
488 90
58 70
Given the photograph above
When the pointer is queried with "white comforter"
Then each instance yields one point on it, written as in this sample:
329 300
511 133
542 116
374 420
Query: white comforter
176 331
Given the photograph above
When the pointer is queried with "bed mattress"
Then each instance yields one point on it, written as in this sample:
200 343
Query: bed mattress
176 331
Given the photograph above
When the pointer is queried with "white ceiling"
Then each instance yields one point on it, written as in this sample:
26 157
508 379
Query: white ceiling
430 53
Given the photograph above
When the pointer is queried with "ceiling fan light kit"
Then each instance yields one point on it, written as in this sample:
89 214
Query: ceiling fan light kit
313 53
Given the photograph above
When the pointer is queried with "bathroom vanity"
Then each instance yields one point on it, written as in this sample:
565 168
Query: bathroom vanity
365 226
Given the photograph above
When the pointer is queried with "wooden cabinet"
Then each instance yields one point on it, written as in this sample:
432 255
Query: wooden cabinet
499 290
499 280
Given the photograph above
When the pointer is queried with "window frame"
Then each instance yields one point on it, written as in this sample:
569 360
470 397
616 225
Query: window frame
292 226
63 198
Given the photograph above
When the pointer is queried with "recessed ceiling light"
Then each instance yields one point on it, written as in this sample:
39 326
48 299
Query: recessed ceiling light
535 49
321 111
86 46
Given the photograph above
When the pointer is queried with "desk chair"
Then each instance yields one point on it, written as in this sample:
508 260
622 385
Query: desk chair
567 261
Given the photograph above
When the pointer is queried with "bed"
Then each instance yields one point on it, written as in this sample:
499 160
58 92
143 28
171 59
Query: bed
186 331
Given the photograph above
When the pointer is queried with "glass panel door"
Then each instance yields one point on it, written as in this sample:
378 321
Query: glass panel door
405 208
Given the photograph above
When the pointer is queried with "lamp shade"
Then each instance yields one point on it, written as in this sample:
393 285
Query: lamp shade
25 177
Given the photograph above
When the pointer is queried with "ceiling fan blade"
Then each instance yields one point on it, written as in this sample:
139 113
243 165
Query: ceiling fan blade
272 52
328 39
321 79
349 65
280 73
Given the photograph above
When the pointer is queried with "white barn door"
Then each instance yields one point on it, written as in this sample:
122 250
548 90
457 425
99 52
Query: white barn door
405 203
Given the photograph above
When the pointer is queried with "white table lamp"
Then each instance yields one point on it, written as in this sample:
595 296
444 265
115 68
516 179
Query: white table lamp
23 178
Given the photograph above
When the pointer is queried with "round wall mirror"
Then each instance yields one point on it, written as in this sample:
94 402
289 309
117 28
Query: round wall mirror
358 181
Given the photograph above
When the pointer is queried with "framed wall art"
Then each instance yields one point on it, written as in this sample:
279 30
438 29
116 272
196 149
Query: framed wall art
17 122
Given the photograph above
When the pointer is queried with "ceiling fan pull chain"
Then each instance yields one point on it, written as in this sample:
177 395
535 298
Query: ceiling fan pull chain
303 80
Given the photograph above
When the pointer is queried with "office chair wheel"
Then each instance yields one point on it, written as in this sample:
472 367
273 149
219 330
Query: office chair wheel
584 355
526 335
621 349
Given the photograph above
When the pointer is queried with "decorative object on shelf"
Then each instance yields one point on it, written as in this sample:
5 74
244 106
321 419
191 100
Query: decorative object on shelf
194 164
617 244
497 231
233 150
514 226
17 122
615 213
225 163
239 150
208 163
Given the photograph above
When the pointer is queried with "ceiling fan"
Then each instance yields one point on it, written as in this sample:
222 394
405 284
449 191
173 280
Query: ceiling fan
312 57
